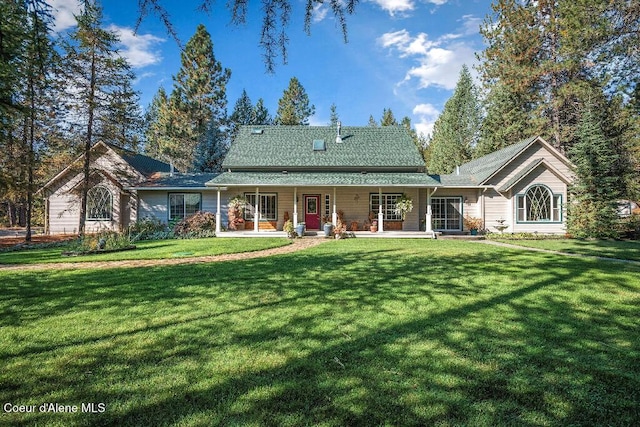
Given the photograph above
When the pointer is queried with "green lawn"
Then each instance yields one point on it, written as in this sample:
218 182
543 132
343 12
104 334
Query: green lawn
622 249
354 332
157 249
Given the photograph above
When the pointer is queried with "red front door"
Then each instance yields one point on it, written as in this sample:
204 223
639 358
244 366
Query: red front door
312 212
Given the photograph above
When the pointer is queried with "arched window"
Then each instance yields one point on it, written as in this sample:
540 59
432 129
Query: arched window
539 204
99 203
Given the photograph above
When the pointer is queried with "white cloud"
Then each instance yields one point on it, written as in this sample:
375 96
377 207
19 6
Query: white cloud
396 6
320 11
437 2
137 48
471 25
439 61
427 115
63 12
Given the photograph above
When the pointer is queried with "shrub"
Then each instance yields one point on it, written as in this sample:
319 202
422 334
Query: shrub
148 228
104 240
200 224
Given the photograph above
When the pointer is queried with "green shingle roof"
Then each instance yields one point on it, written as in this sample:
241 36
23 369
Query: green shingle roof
323 179
177 180
291 148
478 170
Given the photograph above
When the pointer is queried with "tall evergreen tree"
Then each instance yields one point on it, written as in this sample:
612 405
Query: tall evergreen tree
211 150
243 114
388 119
294 107
549 54
93 71
456 131
261 114
599 181
372 122
199 98
154 121
333 118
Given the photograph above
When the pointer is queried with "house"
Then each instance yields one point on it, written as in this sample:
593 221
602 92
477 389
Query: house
314 174
309 173
124 187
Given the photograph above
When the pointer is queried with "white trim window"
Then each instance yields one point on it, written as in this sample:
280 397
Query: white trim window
539 204
446 213
388 205
99 203
268 206
181 205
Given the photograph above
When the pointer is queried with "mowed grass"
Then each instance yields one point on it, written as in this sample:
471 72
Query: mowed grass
157 249
353 332
621 249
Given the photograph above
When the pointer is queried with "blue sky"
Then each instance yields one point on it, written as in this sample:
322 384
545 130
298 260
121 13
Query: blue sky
402 54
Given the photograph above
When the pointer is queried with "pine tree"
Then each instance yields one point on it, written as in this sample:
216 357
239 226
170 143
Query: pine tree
92 72
211 150
199 98
455 132
123 124
294 107
333 118
372 122
154 117
243 114
261 114
388 119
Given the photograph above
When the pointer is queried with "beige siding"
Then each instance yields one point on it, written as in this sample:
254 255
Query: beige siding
496 206
64 209
533 153
540 175
353 201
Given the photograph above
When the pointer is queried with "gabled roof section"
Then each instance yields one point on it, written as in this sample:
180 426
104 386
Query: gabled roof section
324 179
479 170
277 148
527 170
144 164
141 164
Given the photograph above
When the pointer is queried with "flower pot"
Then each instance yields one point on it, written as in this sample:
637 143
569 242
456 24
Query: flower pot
373 228
327 229
474 232
300 229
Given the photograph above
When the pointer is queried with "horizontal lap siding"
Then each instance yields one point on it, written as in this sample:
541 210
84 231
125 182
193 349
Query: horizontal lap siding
156 203
64 210
533 153
496 207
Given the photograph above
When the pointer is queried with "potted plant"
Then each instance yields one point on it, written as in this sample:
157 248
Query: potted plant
374 226
340 229
235 211
300 229
289 229
473 224
403 205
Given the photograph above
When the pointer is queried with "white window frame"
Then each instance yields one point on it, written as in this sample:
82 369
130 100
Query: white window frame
440 218
188 206
104 212
523 206
388 205
268 206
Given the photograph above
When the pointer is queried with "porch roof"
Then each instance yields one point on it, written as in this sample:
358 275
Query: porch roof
324 179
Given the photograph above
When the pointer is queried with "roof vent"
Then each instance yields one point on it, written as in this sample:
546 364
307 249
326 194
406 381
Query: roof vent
257 131
319 145
339 136
285 172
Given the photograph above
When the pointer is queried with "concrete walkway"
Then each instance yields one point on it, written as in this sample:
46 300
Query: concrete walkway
549 251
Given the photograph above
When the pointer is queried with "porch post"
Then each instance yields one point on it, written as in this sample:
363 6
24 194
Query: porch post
380 214
256 211
295 206
428 227
334 214
218 216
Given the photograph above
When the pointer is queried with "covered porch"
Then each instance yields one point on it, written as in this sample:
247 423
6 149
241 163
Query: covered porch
355 199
